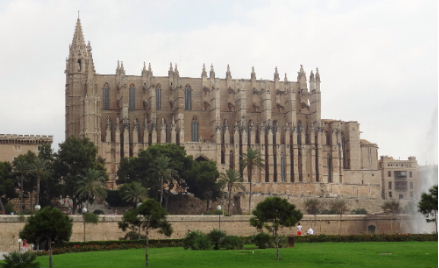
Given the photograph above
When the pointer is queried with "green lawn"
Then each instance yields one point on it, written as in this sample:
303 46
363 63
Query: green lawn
366 254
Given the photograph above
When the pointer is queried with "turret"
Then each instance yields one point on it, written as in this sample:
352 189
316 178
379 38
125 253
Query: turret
301 78
228 73
212 72
276 74
203 71
312 82
253 74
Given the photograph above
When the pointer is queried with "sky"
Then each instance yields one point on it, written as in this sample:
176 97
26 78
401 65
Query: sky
377 59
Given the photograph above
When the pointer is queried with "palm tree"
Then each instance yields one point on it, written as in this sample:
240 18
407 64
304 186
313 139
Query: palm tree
231 179
40 168
91 186
250 160
22 168
164 171
133 192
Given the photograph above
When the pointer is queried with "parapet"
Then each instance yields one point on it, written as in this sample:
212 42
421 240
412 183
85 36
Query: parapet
26 139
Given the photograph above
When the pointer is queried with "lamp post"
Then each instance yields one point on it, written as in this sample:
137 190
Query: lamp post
219 209
84 210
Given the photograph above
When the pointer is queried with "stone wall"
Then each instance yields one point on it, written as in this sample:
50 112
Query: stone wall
107 228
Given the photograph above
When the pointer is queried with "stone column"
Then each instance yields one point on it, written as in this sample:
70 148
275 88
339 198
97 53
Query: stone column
270 155
262 152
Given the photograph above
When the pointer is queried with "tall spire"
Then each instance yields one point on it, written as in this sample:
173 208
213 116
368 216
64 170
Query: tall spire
144 69
253 74
78 36
285 78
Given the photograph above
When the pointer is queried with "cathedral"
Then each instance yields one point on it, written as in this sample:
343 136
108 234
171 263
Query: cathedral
220 118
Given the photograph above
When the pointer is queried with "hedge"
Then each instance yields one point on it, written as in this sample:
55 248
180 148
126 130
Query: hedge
157 243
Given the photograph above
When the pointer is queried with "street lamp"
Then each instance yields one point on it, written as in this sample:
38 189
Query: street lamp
37 207
84 211
219 209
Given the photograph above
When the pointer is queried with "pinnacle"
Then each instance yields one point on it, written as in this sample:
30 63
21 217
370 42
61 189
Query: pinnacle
78 36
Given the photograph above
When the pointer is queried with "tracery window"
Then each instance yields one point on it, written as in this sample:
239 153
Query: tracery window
106 96
195 129
283 168
158 98
132 98
188 98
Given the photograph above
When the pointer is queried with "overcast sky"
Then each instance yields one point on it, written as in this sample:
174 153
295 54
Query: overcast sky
377 59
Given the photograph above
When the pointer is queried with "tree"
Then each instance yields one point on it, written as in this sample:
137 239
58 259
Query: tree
232 180
428 205
133 192
49 226
339 207
148 216
91 186
76 156
274 213
163 170
143 170
22 167
7 185
313 207
40 167
202 181
251 160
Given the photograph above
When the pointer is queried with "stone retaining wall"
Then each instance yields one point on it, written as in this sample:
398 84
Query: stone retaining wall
107 228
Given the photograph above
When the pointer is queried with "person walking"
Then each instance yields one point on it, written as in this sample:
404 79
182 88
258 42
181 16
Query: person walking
299 229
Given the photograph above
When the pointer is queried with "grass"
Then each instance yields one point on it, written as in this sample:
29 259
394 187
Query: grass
304 255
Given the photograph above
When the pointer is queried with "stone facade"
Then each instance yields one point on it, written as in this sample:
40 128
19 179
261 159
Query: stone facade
220 119
400 178
12 145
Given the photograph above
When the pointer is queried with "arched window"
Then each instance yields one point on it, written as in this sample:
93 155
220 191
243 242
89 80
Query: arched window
188 98
132 98
195 130
158 98
106 95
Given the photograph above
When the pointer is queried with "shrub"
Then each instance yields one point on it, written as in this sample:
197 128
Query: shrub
216 238
263 240
232 242
115 200
98 212
359 211
20 260
132 235
196 240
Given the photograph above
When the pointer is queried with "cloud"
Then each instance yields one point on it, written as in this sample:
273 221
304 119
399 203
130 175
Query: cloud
378 59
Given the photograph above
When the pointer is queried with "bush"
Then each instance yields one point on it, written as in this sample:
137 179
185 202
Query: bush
98 212
20 260
263 240
115 200
216 238
132 235
232 242
196 240
359 211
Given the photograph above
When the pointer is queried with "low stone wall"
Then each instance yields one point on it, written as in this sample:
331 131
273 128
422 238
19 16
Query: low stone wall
107 228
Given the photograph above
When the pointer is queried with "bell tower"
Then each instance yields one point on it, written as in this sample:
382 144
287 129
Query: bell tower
82 102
